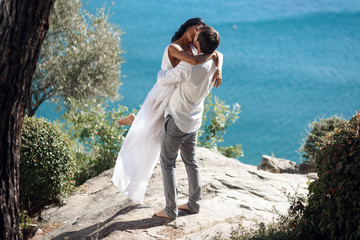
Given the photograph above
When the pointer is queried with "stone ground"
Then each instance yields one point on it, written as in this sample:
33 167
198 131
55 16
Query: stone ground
233 193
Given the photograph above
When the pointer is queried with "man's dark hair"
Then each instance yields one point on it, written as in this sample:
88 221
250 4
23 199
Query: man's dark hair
182 29
209 39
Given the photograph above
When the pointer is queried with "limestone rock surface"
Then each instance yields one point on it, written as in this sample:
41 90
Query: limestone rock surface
233 193
281 165
277 165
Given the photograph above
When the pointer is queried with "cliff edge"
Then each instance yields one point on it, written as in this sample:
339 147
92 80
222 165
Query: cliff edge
233 193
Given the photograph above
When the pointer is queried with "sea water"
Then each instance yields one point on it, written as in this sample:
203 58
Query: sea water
286 62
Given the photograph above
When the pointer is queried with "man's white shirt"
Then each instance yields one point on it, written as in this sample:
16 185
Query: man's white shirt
193 84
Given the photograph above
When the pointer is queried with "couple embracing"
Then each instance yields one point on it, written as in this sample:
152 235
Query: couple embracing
170 117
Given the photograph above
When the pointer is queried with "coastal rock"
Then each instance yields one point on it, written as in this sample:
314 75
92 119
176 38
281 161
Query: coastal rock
277 165
280 165
233 193
306 167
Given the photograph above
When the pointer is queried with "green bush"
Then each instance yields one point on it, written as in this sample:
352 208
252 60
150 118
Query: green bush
234 151
318 130
217 118
46 164
98 136
332 209
282 227
334 206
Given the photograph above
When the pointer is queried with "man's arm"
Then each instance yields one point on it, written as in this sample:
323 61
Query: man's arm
172 76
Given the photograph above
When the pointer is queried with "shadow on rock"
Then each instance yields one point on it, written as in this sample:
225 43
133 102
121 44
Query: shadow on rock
102 229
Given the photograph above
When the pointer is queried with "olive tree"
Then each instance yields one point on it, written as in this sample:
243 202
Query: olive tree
80 57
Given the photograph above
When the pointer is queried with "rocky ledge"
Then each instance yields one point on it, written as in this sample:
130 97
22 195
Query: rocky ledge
233 193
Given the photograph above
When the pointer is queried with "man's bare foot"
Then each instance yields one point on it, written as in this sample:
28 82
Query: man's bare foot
162 214
183 207
128 120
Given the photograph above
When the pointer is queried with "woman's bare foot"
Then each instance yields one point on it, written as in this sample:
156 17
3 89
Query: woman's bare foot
183 207
128 120
162 214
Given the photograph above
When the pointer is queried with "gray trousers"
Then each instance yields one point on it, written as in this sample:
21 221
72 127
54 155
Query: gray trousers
174 140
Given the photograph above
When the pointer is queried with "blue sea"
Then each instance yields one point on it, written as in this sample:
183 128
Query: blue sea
286 62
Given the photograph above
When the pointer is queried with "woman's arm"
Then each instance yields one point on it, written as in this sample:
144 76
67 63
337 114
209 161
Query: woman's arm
177 52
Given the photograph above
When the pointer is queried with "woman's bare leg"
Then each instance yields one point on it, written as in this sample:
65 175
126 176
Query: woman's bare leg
128 120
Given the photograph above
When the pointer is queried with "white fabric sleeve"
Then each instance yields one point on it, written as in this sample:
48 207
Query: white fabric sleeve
180 73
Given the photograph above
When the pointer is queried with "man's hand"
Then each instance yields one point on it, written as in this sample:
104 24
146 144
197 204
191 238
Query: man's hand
218 59
217 79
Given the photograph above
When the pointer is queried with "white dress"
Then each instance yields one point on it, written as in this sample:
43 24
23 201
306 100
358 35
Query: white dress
141 147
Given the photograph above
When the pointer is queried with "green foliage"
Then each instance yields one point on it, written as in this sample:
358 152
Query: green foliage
46 164
80 57
332 210
283 227
274 231
334 206
234 151
217 118
98 136
318 130
24 225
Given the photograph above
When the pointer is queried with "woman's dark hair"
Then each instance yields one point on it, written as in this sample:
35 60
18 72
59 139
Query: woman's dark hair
182 29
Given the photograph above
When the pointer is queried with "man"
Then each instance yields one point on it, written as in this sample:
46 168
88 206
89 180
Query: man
183 119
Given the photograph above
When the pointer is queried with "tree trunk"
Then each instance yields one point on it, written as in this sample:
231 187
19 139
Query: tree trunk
23 26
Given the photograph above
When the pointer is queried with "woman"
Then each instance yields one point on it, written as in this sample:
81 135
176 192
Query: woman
182 49
141 148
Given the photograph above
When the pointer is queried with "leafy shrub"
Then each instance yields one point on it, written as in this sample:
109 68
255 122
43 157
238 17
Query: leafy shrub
98 137
217 118
334 206
46 164
332 210
318 130
282 227
234 151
